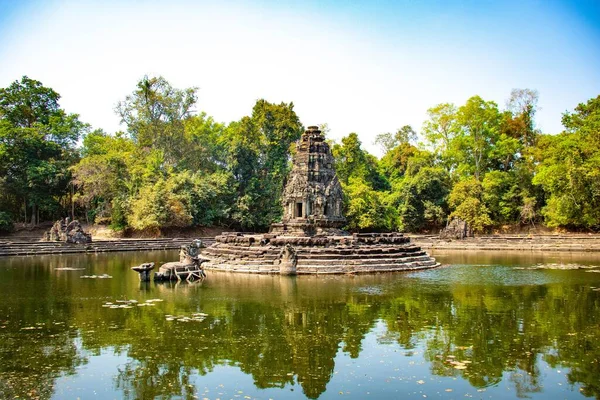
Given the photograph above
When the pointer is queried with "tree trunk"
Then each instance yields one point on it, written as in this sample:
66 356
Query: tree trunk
72 204
33 214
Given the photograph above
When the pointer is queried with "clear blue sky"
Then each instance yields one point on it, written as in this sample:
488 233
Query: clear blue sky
363 66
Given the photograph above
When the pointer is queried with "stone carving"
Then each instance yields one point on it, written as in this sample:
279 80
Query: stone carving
456 229
144 271
189 266
69 232
312 197
190 254
287 260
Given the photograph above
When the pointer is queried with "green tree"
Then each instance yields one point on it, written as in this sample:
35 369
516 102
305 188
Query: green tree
206 144
366 208
258 151
521 107
502 197
440 131
365 188
466 201
159 206
395 162
37 145
478 122
105 176
155 113
387 141
27 103
569 170
351 161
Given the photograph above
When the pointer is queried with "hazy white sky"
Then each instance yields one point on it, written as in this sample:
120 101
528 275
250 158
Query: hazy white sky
365 67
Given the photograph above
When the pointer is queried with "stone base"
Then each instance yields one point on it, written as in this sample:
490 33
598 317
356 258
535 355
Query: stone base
309 227
336 254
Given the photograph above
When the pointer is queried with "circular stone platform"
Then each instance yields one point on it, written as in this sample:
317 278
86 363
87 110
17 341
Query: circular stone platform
289 255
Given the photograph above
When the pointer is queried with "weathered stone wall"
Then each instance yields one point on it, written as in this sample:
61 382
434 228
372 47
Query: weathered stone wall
359 253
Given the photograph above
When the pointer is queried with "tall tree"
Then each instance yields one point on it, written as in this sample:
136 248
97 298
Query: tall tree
37 146
439 132
106 176
478 121
387 141
364 187
258 158
28 102
522 106
569 169
155 113
351 161
206 148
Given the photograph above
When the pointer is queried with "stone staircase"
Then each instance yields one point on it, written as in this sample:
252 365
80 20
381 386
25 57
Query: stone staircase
29 248
341 256
571 242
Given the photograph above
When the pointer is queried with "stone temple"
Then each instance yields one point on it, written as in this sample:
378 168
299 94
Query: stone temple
312 198
309 238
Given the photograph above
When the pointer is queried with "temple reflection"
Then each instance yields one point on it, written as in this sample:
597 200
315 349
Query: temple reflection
283 331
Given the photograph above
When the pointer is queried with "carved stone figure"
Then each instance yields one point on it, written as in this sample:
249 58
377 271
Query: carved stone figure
189 254
189 266
287 260
456 229
69 232
144 271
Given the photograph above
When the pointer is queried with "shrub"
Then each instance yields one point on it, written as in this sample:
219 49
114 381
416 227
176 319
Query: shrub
6 222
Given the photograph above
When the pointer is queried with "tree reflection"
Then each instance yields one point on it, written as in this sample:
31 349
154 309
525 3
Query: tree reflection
33 354
283 331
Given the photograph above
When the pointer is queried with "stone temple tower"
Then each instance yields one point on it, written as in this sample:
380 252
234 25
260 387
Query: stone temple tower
308 240
312 198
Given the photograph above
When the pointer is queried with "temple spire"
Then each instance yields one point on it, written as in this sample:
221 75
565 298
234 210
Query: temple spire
312 198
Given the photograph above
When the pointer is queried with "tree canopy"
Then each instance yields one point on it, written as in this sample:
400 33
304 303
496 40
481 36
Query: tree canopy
175 167
37 146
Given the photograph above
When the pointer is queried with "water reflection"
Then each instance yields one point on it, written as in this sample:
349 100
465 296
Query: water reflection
471 322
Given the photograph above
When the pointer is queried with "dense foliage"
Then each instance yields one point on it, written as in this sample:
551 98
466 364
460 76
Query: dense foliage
177 169
173 167
37 146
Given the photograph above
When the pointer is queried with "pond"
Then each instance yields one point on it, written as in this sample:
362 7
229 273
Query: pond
486 325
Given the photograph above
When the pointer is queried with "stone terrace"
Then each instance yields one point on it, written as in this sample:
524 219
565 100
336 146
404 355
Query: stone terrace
365 253
566 242
28 248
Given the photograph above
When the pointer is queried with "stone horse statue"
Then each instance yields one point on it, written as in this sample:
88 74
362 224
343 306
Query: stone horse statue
189 266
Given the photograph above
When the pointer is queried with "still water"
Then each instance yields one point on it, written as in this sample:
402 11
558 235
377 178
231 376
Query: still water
489 325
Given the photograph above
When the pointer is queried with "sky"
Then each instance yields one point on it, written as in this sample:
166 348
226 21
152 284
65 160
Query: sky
360 66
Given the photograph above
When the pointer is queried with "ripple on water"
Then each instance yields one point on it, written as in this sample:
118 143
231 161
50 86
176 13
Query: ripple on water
505 275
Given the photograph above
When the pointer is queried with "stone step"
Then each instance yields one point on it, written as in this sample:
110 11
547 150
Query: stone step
367 249
361 255
367 268
34 248
324 269
314 258
256 250
361 261
241 251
